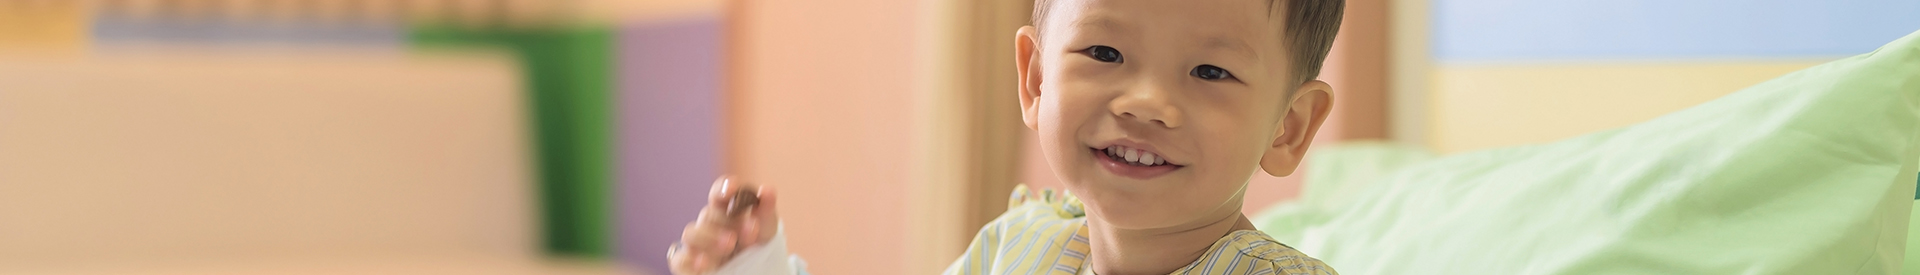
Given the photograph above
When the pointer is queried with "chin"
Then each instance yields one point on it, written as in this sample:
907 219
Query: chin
1137 216
1132 212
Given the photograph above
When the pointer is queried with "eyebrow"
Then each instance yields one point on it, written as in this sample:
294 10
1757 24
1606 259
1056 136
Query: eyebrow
1107 23
1233 45
1100 22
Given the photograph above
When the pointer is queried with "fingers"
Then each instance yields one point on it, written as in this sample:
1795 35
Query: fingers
718 195
761 222
765 218
765 209
715 235
703 248
682 259
749 234
718 198
686 262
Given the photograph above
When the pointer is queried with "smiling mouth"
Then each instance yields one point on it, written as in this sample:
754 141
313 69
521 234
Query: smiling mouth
1132 157
1132 163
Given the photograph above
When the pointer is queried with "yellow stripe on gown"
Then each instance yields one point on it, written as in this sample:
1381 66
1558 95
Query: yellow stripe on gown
1046 233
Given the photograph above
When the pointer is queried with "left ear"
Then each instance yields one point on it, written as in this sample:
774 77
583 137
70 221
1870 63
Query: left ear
1309 107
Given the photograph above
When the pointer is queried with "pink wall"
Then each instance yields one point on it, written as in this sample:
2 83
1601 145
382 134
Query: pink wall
821 96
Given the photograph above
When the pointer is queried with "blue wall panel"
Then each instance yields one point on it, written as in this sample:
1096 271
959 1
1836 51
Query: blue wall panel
1501 30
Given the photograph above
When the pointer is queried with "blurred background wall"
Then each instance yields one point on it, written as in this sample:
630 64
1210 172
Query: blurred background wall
519 136
672 118
823 104
1515 72
338 136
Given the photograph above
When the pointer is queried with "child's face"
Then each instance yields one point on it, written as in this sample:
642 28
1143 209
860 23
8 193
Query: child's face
1202 85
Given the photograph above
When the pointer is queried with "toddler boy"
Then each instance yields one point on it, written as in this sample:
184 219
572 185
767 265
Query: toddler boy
1153 113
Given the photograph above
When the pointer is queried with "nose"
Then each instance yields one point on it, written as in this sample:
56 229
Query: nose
1148 103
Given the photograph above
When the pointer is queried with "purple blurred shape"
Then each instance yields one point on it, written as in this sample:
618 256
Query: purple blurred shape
670 126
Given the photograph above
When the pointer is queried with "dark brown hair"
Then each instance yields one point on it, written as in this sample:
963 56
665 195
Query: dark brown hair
1310 28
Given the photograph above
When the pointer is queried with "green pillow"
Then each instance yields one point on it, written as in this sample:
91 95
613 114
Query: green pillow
1340 173
1809 173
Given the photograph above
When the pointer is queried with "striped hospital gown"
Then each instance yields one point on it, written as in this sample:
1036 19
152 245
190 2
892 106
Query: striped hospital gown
1047 234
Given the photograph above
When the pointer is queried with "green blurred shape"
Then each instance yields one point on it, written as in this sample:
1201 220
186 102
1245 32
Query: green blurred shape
569 86
1795 175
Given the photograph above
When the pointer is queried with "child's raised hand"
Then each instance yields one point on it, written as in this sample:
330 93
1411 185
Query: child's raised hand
727 225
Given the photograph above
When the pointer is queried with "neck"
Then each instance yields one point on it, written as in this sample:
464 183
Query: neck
1158 251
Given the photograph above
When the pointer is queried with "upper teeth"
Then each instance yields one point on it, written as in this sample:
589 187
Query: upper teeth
1134 156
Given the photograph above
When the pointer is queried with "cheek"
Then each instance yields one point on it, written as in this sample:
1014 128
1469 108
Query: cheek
1232 151
1063 112
1079 94
1055 119
1239 129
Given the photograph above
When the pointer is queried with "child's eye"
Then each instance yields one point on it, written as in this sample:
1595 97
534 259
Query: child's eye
1210 72
1104 54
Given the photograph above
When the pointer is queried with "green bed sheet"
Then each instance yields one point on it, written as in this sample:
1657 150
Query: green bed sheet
1809 173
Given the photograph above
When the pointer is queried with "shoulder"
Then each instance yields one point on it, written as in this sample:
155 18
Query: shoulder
1044 204
1258 253
1038 229
1032 213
